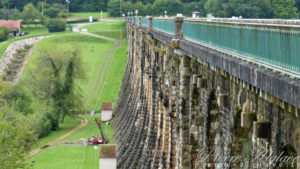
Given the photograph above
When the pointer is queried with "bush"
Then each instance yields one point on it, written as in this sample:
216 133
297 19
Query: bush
63 15
52 12
43 126
46 123
4 32
53 120
56 25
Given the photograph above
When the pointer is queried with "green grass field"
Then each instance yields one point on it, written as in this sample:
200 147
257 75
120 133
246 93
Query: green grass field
67 125
110 89
65 155
114 29
105 66
102 62
32 31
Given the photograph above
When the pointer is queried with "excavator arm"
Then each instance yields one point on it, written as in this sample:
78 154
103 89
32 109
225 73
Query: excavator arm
100 128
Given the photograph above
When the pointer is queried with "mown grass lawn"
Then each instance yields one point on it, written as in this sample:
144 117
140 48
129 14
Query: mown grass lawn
69 156
112 82
105 66
113 29
67 125
97 54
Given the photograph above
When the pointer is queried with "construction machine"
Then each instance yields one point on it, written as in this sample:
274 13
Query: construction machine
98 140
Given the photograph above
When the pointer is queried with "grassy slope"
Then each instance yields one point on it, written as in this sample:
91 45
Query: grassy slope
63 156
68 125
32 31
92 50
96 53
112 83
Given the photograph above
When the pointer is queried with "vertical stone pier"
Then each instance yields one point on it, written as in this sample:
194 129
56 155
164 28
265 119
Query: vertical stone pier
177 110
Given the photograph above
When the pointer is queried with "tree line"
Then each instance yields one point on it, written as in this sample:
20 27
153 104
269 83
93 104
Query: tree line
287 9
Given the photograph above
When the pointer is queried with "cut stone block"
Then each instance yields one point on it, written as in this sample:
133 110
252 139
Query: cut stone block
223 100
247 119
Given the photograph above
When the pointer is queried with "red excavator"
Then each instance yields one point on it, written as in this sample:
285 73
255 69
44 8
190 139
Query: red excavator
98 140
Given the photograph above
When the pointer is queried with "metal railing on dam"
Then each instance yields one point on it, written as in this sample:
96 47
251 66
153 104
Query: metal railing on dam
274 44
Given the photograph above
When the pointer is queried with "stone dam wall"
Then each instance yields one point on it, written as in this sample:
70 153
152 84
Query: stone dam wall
183 106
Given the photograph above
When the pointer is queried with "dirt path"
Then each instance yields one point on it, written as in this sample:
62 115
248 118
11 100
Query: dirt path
83 123
95 87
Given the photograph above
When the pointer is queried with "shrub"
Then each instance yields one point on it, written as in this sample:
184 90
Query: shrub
63 15
46 123
52 12
43 126
53 120
56 25
4 31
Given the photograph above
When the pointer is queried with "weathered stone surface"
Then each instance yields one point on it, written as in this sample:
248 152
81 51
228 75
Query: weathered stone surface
172 106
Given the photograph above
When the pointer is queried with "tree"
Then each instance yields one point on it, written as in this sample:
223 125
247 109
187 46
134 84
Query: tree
148 9
42 6
114 8
56 25
216 7
127 7
250 9
171 6
4 4
16 139
195 6
30 13
141 8
298 4
52 12
285 9
14 14
55 80
4 32
16 98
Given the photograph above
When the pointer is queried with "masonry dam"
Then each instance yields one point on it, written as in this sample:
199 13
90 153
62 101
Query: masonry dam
210 93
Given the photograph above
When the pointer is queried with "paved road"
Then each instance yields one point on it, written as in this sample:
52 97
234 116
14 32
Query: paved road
79 26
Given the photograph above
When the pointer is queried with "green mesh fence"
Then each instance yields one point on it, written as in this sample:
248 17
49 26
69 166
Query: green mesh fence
276 45
145 22
164 25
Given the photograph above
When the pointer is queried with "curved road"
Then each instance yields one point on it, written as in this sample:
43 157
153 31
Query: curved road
79 26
